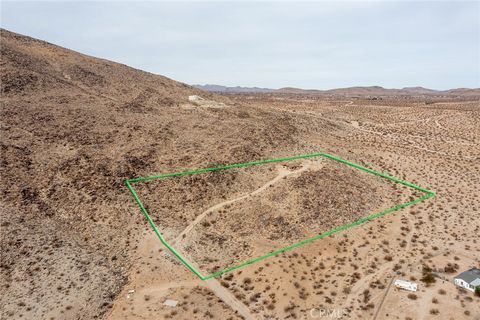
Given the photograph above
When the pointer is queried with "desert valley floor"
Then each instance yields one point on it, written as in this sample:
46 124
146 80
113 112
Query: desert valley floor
76 246
433 144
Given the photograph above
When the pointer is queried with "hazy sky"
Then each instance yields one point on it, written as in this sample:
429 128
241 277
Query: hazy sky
270 44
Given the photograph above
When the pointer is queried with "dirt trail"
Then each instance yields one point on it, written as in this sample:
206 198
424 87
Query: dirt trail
220 291
228 297
412 143
282 173
379 308
171 285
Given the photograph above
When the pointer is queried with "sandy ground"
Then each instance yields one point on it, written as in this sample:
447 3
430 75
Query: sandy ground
75 245
350 274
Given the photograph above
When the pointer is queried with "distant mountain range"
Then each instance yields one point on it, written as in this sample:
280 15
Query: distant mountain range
351 91
219 88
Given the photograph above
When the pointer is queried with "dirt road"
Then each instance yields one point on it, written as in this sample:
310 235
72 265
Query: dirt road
227 297
282 173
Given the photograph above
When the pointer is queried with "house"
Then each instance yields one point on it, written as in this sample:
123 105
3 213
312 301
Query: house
406 285
469 279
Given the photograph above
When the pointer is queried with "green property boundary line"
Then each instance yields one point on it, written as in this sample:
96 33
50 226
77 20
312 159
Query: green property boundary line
129 182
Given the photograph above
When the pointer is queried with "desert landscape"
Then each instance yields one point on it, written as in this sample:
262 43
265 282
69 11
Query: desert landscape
75 245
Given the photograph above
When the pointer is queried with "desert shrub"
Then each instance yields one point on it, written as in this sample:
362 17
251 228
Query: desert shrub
428 278
255 297
412 296
366 295
451 268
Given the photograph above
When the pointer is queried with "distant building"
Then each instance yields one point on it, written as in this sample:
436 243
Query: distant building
469 279
406 285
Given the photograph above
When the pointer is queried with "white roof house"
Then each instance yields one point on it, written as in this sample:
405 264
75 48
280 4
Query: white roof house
469 279
406 285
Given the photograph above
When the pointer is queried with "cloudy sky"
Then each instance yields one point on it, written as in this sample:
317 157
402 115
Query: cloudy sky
318 45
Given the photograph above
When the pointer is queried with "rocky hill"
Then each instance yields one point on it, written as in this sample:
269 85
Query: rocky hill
74 244
73 128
